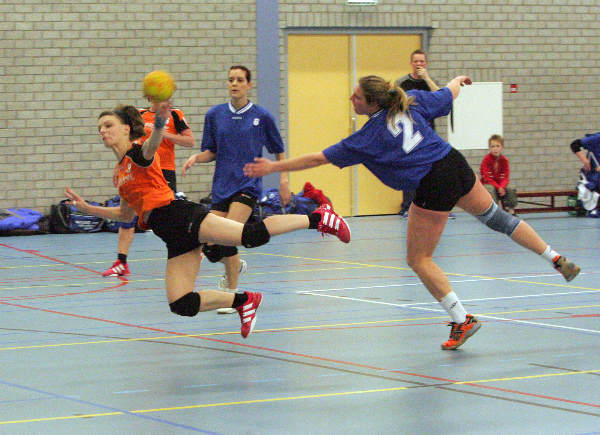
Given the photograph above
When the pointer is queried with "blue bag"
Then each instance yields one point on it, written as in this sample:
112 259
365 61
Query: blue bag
65 219
112 226
270 204
21 221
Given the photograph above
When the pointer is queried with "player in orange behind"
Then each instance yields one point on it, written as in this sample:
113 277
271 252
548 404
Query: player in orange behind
183 225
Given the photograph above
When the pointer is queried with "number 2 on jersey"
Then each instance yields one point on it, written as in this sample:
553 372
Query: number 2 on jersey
402 123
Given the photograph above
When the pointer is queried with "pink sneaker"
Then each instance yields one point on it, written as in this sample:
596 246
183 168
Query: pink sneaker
247 312
331 223
117 269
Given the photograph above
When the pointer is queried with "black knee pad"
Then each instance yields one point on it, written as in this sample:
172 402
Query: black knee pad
214 253
255 234
187 305
229 251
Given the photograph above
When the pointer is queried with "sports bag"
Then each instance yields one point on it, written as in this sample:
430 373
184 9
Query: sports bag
66 219
270 204
22 221
112 226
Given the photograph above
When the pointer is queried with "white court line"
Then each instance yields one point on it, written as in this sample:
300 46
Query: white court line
416 307
527 322
452 281
498 298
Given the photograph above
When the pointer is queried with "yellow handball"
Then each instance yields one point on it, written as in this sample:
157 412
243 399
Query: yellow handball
159 85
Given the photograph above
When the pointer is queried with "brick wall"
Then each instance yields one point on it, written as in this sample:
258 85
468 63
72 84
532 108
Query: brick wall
63 63
550 50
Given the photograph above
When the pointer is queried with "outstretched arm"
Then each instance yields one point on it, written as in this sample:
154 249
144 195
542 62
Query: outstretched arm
455 84
123 213
262 166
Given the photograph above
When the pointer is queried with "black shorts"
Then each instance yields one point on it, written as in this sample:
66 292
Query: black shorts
241 197
171 177
177 224
449 179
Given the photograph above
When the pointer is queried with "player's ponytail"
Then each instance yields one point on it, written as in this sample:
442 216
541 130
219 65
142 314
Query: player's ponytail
131 116
380 92
135 121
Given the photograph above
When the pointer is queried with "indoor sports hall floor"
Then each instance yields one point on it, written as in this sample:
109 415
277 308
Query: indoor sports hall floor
347 340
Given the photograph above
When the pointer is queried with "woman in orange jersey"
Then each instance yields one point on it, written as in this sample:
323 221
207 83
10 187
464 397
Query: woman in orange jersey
176 132
183 225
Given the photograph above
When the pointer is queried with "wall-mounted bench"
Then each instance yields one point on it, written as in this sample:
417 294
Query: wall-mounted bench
542 207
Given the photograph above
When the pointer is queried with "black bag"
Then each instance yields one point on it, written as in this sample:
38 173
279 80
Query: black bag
66 219
207 200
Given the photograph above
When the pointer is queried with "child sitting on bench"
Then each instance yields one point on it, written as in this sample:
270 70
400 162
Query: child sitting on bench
495 173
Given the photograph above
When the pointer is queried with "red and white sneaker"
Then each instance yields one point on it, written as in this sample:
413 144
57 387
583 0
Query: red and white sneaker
117 269
331 223
247 312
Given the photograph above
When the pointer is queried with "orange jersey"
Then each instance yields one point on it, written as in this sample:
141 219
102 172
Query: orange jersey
141 182
175 125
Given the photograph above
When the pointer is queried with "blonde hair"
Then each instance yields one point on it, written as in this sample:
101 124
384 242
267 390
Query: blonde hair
385 96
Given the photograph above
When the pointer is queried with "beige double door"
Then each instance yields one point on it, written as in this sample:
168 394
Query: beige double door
323 70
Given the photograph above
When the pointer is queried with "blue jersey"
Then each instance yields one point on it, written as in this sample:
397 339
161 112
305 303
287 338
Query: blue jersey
591 143
400 153
237 137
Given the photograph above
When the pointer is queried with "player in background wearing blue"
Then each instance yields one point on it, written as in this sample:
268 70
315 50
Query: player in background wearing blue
234 134
399 147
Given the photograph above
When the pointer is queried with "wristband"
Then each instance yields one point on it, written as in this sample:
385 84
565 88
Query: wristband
159 122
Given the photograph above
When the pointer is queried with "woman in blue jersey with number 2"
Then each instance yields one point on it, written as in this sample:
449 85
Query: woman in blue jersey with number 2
399 147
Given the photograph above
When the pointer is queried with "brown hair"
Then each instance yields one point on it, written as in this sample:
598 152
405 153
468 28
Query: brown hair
246 71
386 96
496 137
131 116
418 51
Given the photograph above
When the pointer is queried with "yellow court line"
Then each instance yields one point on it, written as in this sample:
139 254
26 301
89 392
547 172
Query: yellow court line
132 281
65 417
289 328
381 266
356 265
209 334
520 378
280 399
208 405
533 310
29 266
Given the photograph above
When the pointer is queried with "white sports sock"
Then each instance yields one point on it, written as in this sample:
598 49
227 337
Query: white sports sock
454 308
550 254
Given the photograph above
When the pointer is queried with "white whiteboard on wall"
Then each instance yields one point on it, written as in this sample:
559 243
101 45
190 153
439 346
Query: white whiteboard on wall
477 115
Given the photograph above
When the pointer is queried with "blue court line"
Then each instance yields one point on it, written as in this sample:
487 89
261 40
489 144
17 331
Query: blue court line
108 408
